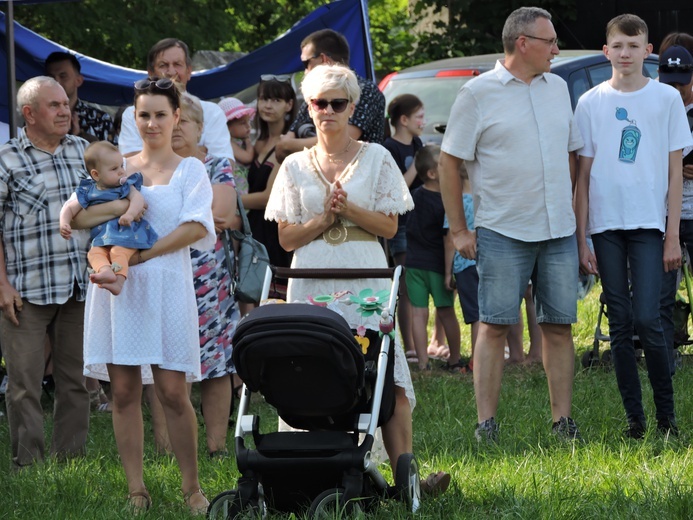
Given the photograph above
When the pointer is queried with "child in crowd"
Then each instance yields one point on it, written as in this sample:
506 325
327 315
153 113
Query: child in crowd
634 129
461 274
238 118
115 241
425 261
406 115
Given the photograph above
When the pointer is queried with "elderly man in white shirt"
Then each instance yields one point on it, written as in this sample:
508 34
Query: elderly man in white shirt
170 58
513 126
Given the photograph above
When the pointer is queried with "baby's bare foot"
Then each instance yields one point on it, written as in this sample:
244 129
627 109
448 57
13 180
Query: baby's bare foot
105 275
115 287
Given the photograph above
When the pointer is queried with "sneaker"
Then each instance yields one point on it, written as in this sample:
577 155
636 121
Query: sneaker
667 427
636 429
487 431
565 429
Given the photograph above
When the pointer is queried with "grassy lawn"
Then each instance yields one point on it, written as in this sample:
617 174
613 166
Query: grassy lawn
527 475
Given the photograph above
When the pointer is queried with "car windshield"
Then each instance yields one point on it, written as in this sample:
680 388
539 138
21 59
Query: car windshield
436 93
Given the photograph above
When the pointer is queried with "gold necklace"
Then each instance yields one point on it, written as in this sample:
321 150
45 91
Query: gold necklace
331 156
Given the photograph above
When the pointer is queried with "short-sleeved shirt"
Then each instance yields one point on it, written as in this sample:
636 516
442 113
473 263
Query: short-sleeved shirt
629 135
515 139
215 133
425 232
460 263
94 121
34 184
369 115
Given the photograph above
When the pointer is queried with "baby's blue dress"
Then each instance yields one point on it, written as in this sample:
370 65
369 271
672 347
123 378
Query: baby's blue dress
138 235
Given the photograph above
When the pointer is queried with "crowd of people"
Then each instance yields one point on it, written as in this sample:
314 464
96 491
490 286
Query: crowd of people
112 259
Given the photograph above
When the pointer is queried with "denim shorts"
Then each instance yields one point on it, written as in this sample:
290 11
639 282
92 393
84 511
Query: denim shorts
398 243
467 282
506 265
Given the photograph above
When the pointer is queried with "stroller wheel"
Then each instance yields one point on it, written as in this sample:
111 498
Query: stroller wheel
407 483
330 504
590 359
606 358
227 506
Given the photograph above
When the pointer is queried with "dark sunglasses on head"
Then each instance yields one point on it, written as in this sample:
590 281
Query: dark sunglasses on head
281 78
338 105
161 83
672 69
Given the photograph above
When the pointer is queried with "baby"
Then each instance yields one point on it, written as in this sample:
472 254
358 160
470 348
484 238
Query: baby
238 118
115 241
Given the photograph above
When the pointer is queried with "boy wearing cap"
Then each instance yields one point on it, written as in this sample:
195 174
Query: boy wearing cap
676 70
238 118
634 129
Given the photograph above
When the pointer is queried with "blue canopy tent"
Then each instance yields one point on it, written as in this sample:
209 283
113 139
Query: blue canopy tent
109 84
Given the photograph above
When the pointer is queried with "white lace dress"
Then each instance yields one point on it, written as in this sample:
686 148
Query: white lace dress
374 182
154 321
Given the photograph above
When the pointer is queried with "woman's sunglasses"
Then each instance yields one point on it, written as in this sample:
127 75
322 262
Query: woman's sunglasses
338 105
281 78
161 83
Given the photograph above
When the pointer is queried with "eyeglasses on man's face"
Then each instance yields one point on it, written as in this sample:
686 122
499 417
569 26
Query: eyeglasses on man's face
551 41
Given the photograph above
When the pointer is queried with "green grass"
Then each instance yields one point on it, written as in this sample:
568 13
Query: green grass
528 475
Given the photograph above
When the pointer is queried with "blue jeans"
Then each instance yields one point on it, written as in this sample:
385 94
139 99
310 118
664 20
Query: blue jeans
641 249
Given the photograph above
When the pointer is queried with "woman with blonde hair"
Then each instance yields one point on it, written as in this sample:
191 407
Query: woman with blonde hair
343 187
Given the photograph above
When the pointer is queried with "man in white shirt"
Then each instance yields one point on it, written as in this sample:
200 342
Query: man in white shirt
170 58
513 126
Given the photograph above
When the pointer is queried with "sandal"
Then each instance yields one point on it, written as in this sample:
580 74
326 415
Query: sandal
139 502
435 484
411 356
196 509
458 368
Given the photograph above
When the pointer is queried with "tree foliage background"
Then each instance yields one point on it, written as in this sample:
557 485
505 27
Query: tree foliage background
122 31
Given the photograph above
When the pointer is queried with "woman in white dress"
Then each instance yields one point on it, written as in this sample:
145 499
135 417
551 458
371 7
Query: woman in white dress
331 202
149 332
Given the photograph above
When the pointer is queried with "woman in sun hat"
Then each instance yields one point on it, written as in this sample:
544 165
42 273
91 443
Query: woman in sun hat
238 118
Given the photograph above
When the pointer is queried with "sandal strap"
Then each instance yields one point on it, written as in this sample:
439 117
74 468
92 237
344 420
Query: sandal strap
140 494
186 496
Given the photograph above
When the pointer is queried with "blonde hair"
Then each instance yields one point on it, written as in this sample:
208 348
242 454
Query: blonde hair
331 77
191 106
93 153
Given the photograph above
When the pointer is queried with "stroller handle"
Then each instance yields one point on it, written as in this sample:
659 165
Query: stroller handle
344 274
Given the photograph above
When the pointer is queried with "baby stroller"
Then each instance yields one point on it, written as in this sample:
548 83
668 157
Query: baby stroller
307 363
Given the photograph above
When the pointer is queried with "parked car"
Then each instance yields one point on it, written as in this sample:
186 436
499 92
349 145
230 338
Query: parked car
437 83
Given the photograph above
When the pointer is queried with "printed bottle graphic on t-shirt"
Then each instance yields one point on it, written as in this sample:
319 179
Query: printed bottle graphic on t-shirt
630 137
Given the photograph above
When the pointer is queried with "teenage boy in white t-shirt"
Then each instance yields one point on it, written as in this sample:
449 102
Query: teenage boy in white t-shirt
634 129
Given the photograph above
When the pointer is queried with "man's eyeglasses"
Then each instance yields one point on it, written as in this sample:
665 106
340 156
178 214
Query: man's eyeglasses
338 105
161 83
282 78
551 42
307 62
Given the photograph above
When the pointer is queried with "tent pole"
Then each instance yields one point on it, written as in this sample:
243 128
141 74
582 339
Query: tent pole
11 76
370 68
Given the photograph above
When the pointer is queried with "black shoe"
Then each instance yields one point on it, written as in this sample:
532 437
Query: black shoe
636 429
565 429
667 427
